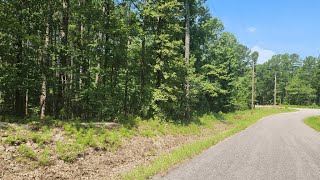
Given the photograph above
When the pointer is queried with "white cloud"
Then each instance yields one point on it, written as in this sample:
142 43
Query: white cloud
252 29
264 54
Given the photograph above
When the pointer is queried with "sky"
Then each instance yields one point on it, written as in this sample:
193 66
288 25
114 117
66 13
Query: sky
272 26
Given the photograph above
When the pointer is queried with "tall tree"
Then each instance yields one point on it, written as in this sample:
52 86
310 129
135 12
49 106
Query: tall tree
187 57
109 59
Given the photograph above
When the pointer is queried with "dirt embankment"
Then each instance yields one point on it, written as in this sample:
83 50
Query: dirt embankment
94 164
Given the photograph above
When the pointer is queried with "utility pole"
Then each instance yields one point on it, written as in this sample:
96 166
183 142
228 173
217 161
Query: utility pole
254 58
275 89
252 89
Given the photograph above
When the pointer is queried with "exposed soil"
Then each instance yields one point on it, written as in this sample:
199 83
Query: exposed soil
240 117
98 164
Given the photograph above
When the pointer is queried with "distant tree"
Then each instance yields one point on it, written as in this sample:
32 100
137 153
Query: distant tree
299 92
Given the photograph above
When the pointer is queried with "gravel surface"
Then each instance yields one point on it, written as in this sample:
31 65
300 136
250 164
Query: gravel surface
276 147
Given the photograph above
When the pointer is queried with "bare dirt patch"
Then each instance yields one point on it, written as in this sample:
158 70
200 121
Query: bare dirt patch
239 117
94 164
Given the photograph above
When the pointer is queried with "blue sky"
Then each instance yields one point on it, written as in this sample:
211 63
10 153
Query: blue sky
272 26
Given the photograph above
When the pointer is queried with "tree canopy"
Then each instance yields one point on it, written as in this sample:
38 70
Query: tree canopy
105 59
298 80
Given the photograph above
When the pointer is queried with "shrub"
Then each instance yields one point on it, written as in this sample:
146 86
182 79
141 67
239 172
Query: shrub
44 157
10 140
69 152
16 139
110 139
125 132
152 128
27 152
86 137
41 138
70 129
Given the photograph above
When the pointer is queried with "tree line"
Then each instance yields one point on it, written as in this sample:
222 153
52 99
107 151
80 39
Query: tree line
297 80
108 58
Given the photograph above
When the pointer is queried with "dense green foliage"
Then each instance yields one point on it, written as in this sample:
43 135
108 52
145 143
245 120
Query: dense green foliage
103 59
298 81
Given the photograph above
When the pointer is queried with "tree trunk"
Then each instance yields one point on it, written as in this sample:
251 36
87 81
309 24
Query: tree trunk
63 56
43 97
19 110
27 102
159 71
125 108
142 61
45 59
252 88
187 59
106 11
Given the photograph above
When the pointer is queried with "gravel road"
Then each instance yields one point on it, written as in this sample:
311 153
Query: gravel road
276 147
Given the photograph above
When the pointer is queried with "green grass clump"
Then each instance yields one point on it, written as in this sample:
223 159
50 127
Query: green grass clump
98 138
312 106
207 120
69 152
41 138
110 139
70 129
86 137
95 137
181 129
16 139
10 140
155 127
27 152
152 128
313 122
126 133
44 157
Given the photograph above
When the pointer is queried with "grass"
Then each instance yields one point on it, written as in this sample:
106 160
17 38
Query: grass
26 152
41 138
313 106
313 122
74 139
18 137
69 152
165 161
44 157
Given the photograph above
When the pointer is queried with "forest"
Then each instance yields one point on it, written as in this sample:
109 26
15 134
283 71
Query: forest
297 80
129 89
105 59
110 59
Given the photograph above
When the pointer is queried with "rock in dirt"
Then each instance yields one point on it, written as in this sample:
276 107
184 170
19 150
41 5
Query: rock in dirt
108 125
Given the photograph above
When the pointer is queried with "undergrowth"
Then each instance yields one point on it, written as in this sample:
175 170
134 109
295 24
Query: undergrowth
236 122
75 138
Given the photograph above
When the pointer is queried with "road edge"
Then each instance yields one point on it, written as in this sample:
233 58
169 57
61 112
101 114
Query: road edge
166 162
